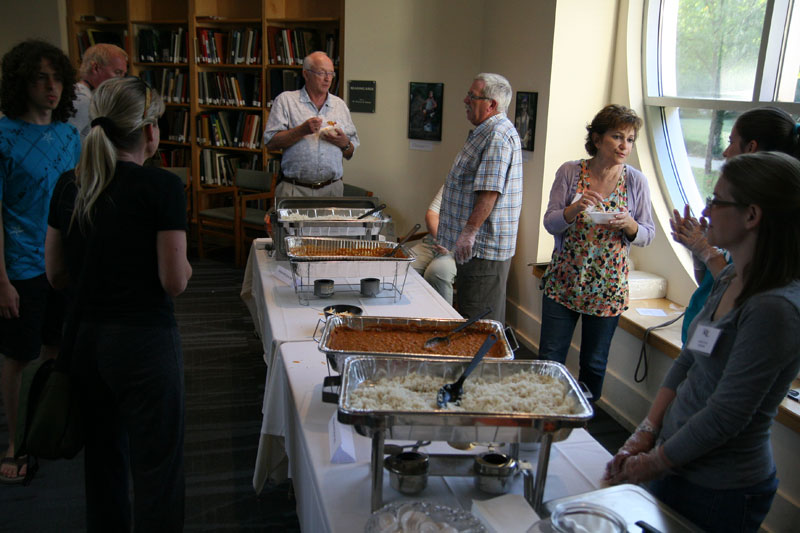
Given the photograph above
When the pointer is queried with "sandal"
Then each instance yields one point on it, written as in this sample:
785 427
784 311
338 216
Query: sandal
31 462
19 463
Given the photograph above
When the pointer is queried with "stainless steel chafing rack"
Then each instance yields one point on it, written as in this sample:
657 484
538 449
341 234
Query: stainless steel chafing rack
346 270
336 357
331 222
457 426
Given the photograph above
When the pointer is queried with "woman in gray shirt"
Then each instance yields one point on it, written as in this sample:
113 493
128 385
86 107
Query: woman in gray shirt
705 441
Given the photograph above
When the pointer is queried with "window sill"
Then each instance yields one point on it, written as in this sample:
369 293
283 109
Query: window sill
668 341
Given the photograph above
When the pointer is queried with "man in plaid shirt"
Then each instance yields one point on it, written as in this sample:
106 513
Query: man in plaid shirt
482 200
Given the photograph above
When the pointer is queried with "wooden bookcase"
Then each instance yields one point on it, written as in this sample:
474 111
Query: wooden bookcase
183 77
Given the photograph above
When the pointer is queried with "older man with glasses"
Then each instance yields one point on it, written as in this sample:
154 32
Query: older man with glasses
482 200
315 131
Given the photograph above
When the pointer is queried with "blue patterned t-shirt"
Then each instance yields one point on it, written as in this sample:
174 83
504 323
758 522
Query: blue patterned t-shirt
32 158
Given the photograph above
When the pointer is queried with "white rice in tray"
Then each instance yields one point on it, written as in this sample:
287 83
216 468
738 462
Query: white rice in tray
297 217
523 392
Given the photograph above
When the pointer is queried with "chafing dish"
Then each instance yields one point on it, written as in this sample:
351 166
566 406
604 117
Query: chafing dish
391 271
458 426
336 357
280 229
331 222
446 425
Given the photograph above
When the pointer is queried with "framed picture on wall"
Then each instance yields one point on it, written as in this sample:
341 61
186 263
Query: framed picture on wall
425 111
525 118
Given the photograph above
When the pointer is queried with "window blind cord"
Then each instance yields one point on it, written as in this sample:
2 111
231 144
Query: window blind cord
642 363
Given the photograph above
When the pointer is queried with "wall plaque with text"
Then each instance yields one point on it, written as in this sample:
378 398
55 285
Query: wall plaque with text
361 96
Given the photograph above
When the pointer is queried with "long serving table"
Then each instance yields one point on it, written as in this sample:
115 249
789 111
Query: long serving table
336 497
280 318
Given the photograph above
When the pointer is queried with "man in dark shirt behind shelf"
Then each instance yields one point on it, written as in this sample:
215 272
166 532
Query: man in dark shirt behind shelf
100 63
299 125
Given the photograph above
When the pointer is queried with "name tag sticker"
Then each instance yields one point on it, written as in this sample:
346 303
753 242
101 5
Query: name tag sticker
704 339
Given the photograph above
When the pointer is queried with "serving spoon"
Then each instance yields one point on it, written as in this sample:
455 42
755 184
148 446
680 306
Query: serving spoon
372 211
433 341
402 241
451 392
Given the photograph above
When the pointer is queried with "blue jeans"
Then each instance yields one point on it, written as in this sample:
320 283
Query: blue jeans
727 510
558 324
134 424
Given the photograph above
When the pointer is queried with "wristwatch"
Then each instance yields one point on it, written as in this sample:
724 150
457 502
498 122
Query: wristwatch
347 147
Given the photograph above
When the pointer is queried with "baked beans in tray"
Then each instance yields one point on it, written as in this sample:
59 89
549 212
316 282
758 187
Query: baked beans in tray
376 335
330 249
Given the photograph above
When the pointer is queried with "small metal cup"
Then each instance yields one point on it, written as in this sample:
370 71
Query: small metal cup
370 287
323 288
408 471
494 472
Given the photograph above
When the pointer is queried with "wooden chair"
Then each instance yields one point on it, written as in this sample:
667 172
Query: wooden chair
255 193
216 216
245 205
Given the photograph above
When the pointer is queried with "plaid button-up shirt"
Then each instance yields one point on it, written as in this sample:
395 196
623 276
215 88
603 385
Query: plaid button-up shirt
489 161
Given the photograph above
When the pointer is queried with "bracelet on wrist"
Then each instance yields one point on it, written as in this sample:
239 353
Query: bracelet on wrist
346 147
647 427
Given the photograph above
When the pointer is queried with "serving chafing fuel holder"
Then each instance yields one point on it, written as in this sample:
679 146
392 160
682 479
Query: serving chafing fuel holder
457 426
391 271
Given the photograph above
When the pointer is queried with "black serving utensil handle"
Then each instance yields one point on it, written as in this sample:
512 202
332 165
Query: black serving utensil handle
402 241
471 321
372 211
451 392
433 341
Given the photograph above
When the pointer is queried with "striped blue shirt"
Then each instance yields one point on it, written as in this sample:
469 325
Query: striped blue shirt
489 161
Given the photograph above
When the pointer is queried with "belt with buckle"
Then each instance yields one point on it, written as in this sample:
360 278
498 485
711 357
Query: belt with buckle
312 185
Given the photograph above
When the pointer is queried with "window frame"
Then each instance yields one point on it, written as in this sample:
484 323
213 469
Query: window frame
662 112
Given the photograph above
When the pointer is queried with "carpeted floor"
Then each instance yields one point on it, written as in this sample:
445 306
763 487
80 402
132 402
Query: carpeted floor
224 372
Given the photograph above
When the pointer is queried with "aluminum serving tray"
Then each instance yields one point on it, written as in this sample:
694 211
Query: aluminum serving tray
293 243
456 426
348 224
336 357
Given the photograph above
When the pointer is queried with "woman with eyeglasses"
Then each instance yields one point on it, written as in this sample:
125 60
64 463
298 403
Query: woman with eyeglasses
756 130
706 439
117 233
587 277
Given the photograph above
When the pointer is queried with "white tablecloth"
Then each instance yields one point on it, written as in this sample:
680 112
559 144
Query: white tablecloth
280 317
336 497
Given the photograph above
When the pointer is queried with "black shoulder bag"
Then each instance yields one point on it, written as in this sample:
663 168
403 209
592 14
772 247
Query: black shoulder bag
49 419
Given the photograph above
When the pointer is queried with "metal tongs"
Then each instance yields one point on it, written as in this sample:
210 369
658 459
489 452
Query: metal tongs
402 241
451 392
372 211
433 341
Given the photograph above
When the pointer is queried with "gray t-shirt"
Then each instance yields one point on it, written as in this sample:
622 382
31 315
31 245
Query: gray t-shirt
716 430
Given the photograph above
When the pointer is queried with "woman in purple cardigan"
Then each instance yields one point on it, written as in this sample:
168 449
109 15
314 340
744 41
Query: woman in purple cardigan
588 273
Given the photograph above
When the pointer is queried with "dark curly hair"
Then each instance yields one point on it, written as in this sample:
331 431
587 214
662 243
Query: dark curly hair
611 116
21 66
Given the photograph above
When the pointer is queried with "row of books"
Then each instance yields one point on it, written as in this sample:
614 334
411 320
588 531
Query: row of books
174 157
172 84
174 125
288 46
163 46
234 47
229 128
90 37
285 80
229 88
219 168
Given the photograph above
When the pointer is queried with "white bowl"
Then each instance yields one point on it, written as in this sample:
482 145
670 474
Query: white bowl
602 217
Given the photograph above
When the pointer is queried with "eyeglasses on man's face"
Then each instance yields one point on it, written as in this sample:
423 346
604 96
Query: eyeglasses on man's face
716 202
322 73
473 97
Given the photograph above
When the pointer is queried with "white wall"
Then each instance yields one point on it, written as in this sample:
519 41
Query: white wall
394 43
